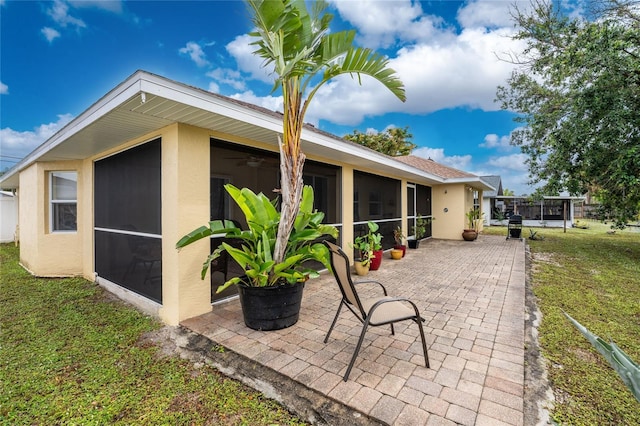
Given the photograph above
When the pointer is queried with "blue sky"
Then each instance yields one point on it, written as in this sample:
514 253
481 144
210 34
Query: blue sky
57 58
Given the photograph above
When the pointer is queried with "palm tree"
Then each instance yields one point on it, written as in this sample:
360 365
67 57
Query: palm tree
305 55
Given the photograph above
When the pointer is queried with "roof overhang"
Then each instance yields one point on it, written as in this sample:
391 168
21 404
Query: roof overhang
146 102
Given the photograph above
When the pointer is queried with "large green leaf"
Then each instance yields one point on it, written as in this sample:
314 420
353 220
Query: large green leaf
628 370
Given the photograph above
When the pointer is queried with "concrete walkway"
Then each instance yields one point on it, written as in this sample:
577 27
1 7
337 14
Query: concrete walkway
472 295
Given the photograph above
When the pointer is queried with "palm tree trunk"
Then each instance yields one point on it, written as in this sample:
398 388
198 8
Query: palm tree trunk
291 185
291 165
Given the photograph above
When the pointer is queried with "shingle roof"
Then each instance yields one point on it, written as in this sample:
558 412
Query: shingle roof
494 181
430 166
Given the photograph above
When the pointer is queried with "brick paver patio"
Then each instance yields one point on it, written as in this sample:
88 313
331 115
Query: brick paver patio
472 295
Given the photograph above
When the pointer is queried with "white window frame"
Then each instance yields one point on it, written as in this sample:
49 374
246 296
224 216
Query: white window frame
53 202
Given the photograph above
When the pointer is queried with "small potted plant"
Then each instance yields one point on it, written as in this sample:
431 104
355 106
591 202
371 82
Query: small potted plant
471 233
399 238
364 254
375 241
419 230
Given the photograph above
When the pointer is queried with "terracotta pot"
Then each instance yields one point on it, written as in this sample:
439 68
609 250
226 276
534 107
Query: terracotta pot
396 254
469 234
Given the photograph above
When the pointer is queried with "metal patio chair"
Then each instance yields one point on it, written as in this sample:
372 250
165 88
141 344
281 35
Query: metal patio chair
377 311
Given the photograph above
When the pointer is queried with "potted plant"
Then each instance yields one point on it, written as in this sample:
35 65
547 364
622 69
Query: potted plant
375 240
396 254
471 233
419 230
364 255
270 291
399 237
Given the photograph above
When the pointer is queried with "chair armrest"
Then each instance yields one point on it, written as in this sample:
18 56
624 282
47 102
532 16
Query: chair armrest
384 290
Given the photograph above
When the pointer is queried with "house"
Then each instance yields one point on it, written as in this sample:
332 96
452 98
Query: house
8 216
109 195
496 182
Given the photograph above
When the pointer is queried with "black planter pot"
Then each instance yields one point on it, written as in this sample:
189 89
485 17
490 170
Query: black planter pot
414 244
271 308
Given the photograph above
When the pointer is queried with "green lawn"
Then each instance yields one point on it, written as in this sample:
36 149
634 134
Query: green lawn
70 355
595 277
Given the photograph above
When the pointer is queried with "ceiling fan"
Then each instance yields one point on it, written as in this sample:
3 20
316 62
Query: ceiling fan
253 161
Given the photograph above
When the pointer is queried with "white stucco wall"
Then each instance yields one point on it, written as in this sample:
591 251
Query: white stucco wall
8 216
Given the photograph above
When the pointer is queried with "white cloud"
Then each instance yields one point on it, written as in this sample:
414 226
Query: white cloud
4 89
114 6
18 144
384 23
242 51
485 13
493 141
464 73
229 77
273 103
213 87
516 162
59 12
195 52
460 162
439 68
50 34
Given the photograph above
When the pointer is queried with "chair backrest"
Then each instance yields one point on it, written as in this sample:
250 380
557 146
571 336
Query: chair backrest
342 273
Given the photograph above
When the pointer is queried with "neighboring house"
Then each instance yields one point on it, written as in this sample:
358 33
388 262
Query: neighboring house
109 195
496 182
8 216
552 212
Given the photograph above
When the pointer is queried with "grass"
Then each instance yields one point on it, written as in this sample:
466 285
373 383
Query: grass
70 355
595 277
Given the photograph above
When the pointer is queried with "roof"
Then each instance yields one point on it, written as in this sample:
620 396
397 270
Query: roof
496 182
146 102
428 165
448 174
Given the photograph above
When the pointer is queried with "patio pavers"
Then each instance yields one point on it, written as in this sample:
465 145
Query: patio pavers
472 296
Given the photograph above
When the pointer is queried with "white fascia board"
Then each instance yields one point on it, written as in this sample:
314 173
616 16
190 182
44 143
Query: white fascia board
475 181
368 155
177 92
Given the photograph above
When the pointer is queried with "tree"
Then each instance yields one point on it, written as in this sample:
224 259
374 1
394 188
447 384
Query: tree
306 55
394 141
577 92
508 192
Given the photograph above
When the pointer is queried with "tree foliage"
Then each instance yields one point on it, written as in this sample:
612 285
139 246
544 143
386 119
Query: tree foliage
394 141
305 55
577 92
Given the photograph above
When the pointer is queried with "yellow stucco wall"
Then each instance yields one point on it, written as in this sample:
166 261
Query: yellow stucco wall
449 224
185 206
42 252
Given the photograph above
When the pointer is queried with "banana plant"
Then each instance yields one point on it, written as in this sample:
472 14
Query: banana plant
304 54
628 370
257 244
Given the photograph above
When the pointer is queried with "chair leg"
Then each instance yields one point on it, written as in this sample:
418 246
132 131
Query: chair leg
393 332
358 346
424 343
335 319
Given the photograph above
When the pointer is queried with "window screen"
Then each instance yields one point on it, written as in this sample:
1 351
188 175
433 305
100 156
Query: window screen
128 235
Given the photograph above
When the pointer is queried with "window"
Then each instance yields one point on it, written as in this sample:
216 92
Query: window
64 201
